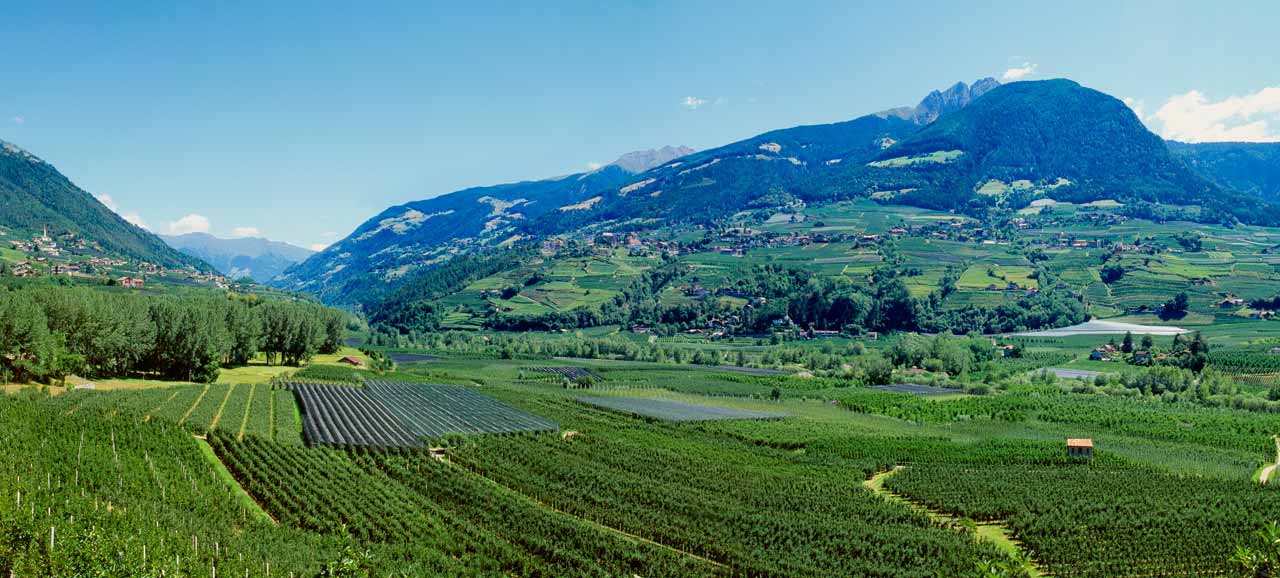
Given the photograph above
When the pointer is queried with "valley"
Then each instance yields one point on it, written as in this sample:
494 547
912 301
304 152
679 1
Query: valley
1006 332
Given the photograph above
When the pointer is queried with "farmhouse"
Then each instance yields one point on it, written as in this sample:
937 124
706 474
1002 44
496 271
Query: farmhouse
1231 303
129 282
352 361
1080 447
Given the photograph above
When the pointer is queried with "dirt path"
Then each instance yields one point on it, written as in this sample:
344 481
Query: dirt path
1265 477
445 459
193 407
992 532
248 409
217 417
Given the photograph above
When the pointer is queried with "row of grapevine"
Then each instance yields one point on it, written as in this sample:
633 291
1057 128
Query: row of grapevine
431 518
1245 362
569 373
95 493
1092 521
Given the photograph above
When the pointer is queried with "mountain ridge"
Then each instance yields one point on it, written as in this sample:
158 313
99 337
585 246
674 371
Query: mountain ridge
255 257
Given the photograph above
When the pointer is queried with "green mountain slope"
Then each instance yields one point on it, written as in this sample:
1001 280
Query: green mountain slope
1049 130
35 195
1248 167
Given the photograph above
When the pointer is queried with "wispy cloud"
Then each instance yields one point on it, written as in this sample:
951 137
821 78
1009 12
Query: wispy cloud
246 232
1192 117
693 102
318 246
18 119
593 165
191 223
1019 72
130 216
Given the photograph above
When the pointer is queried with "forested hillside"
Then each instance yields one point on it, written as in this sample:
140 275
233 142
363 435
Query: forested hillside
35 195
1248 167
985 148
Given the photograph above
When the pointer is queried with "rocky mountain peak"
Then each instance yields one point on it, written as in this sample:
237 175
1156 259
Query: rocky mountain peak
641 161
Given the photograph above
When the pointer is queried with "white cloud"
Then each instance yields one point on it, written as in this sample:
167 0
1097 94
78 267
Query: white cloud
693 102
135 218
593 165
1192 117
1019 72
191 223
130 216
19 119
108 201
1138 107
720 100
246 232
317 246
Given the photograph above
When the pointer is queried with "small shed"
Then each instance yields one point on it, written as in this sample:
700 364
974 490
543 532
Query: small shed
352 361
1080 447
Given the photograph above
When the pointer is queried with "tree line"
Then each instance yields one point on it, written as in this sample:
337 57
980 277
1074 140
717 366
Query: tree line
47 333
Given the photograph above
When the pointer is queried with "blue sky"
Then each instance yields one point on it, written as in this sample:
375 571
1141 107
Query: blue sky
300 120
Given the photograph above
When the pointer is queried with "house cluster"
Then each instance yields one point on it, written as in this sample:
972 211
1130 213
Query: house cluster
43 244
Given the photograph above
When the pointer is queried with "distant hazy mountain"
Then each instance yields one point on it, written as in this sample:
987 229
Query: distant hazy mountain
1248 167
34 195
641 161
257 258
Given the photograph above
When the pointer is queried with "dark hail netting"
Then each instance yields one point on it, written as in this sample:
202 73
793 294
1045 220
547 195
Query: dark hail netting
389 414
430 410
340 415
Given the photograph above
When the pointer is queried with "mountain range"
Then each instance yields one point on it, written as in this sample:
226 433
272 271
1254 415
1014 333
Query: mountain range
35 197
959 149
254 257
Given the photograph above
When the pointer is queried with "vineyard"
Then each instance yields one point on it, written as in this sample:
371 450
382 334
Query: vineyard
568 373
1246 362
670 410
1103 522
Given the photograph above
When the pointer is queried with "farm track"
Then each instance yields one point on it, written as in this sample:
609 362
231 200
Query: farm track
248 410
992 532
193 407
217 417
445 459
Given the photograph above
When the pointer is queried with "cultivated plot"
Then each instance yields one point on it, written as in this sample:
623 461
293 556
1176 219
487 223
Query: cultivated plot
430 410
671 410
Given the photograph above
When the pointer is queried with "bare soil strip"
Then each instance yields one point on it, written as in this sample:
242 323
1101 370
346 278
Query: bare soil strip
248 408
217 417
193 407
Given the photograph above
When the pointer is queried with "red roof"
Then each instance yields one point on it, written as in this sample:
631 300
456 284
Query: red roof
353 360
